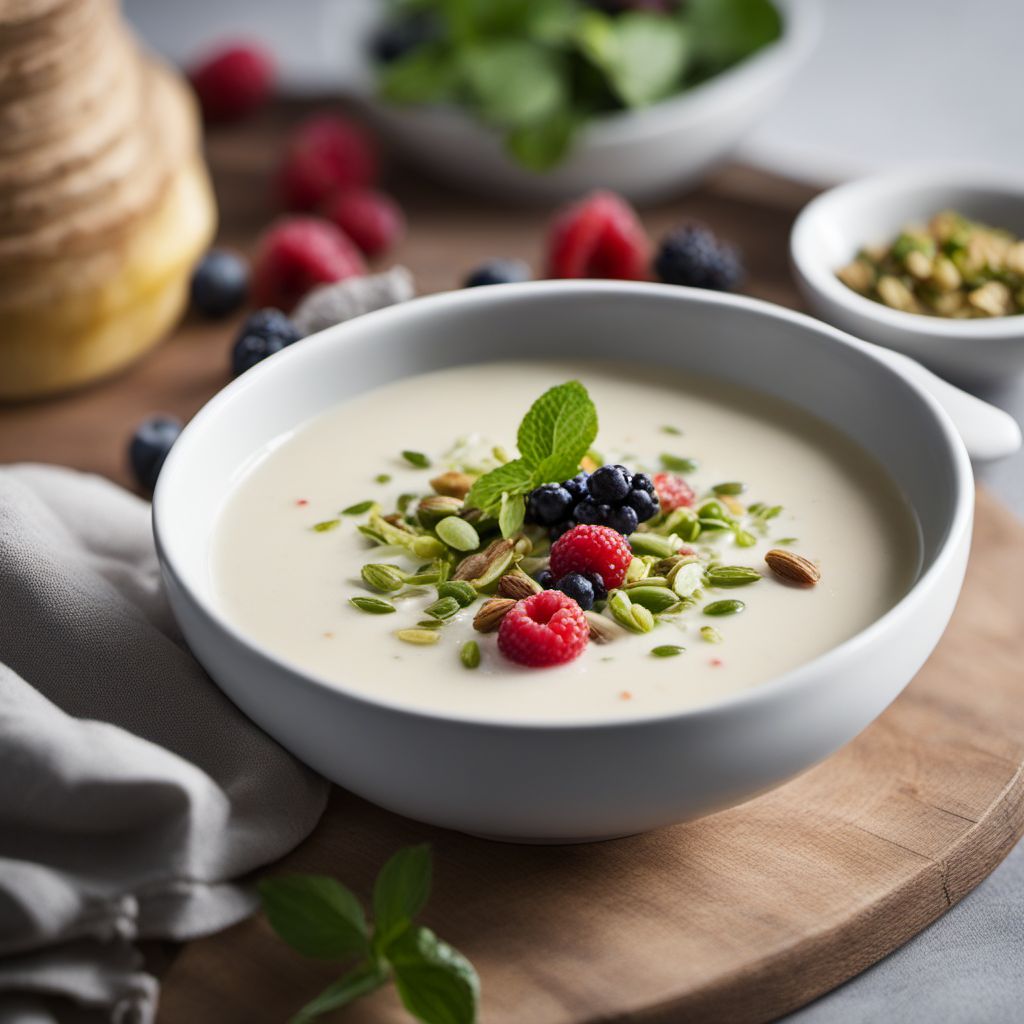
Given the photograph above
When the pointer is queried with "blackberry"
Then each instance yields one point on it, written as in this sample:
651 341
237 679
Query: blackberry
693 256
265 332
219 284
609 484
611 496
150 446
642 482
498 272
577 486
579 587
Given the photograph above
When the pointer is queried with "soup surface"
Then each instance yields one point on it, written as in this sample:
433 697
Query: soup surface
288 585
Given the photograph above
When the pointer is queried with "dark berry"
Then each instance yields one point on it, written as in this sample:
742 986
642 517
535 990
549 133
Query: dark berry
578 587
624 519
401 37
556 531
642 482
587 512
643 504
693 256
498 272
600 591
219 283
265 332
609 484
548 504
577 486
149 447
546 578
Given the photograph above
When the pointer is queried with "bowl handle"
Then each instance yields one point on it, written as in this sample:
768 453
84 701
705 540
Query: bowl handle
987 432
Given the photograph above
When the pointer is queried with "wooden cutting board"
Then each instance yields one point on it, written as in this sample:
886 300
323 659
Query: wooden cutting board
739 917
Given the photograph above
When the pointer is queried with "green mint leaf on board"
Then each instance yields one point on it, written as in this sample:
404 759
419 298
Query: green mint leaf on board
360 981
644 56
400 892
561 423
436 983
315 915
726 31
515 477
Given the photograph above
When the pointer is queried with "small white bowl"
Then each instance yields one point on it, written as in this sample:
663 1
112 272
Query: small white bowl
833 227
644 155
582 779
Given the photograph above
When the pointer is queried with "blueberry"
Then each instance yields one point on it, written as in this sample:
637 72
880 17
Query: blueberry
220 282
587 512
600 590
545 578
498 272
548 504
399 38
642 503
149 447
556 531
609 484
265 332
642 482
624 519
578 587
577 486
693 256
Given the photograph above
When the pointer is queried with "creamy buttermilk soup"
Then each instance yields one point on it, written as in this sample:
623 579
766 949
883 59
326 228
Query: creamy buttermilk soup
535 540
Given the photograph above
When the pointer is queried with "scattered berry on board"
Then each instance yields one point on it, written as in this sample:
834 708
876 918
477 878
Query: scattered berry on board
598 236
326 154
373 220
673 491
548 628
498 271
692 255
219 283
233 81
610 496
265 332
588 548
297 253
149 447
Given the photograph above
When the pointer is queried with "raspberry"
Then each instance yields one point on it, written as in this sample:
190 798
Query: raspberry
297 253
673 491
370 218
588 549
598 236
233 81
325 155
548 628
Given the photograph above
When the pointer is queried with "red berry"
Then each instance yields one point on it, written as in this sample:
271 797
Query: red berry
296 254
370 218
598 236
326 154
233 81
673 491
548 628
587 548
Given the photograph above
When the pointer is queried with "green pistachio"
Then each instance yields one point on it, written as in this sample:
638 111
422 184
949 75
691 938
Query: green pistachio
676 464
417 459
655 599
435 507
458 534
422 637
373 605
732 488
637 570
667 650
358 509
327 524
385 578
728 607
443 608
469 654
710 634
634 617
686 578
458 590
647 543
732 576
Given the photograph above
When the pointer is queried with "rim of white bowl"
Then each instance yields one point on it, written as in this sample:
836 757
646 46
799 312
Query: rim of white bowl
815 216
762 693
802 22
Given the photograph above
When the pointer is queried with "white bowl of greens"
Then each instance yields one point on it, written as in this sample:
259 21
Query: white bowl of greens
643 103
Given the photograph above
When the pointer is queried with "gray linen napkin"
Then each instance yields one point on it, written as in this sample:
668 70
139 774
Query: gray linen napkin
131 790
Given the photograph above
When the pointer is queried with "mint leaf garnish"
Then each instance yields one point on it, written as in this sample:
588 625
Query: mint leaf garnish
319 917
554 435
315 915
435 982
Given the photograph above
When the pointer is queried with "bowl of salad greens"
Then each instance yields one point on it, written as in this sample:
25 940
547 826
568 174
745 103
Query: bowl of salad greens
544 99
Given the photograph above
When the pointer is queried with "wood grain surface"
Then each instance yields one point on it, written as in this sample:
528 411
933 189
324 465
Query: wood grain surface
739 917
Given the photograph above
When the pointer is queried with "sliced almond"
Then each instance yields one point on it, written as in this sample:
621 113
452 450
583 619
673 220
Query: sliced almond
491 612
792 567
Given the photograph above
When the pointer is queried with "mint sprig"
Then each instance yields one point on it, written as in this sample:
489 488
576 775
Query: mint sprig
553 437
319 917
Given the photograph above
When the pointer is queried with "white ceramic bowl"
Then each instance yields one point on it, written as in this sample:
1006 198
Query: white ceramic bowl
579 780
645 154
834 226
